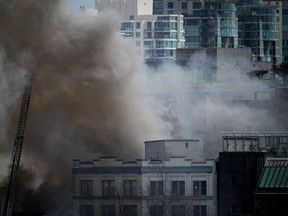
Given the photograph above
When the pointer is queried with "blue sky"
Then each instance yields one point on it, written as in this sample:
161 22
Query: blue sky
75 4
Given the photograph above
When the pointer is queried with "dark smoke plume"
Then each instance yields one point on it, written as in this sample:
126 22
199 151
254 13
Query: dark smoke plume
86 98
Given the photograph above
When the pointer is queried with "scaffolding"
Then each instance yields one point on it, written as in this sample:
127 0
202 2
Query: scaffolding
254 142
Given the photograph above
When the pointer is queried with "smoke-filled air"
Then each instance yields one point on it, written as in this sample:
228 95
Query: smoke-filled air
92 96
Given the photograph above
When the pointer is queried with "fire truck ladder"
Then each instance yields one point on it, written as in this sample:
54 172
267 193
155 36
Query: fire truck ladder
8 200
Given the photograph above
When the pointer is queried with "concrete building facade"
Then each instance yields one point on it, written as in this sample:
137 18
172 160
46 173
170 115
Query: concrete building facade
107 186
128 9
178 186
172 185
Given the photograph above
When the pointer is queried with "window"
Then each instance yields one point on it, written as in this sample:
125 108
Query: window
199 188
137 25
86 187
86 210
130 210
170 5
184 5
197 5
199 210
108 210
156 188
108 188
129 187
178 210
233 209
233 181
137 34
178 188
156 210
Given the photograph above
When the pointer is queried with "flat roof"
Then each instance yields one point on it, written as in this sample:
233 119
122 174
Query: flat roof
173 140
236 134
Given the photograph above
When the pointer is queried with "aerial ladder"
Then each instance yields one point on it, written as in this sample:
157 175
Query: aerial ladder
10 189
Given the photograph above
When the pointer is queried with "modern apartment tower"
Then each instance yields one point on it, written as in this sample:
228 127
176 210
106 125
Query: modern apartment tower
206 23
285 31
259 28
155 37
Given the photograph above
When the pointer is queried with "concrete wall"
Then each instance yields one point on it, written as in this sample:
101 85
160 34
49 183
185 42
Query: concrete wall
164 149
189 172
126 8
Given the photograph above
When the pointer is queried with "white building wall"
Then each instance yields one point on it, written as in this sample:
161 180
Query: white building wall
161 171
164 149
126 8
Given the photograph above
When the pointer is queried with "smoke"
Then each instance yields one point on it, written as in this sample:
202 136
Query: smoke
92 96
87 98
194 106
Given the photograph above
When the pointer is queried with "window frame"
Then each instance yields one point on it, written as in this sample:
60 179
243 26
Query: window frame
109 189
178 188
129 188
86 187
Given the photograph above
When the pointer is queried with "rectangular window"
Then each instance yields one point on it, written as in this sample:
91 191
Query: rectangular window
156 188
199 188
156 210
86 210
178 188
130 188
184 5
86 187
108 210
137 25
233 209
178 210
233 181
137 34
170 5
199 210
130 210
108 188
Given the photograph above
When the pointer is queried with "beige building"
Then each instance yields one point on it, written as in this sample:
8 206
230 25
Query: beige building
107 186
128 9
173 184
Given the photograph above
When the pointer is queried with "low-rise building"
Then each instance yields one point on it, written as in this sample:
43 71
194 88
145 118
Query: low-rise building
173 184
107 186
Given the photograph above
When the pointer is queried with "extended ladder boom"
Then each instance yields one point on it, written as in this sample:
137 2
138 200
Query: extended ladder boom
8 201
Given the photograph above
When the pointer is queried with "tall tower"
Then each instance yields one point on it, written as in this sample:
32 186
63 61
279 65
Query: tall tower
128 9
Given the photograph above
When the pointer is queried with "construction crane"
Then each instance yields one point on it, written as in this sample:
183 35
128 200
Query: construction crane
10 190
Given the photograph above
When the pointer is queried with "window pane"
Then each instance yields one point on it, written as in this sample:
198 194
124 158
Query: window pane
108 210
86 187
130 210
108 188
86 210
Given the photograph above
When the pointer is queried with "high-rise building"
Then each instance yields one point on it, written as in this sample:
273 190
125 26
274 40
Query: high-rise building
244 23
128 9
155 37
285 30
259 28
206 23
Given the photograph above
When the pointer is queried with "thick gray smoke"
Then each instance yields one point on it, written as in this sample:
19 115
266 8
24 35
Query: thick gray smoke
195 107
86 99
